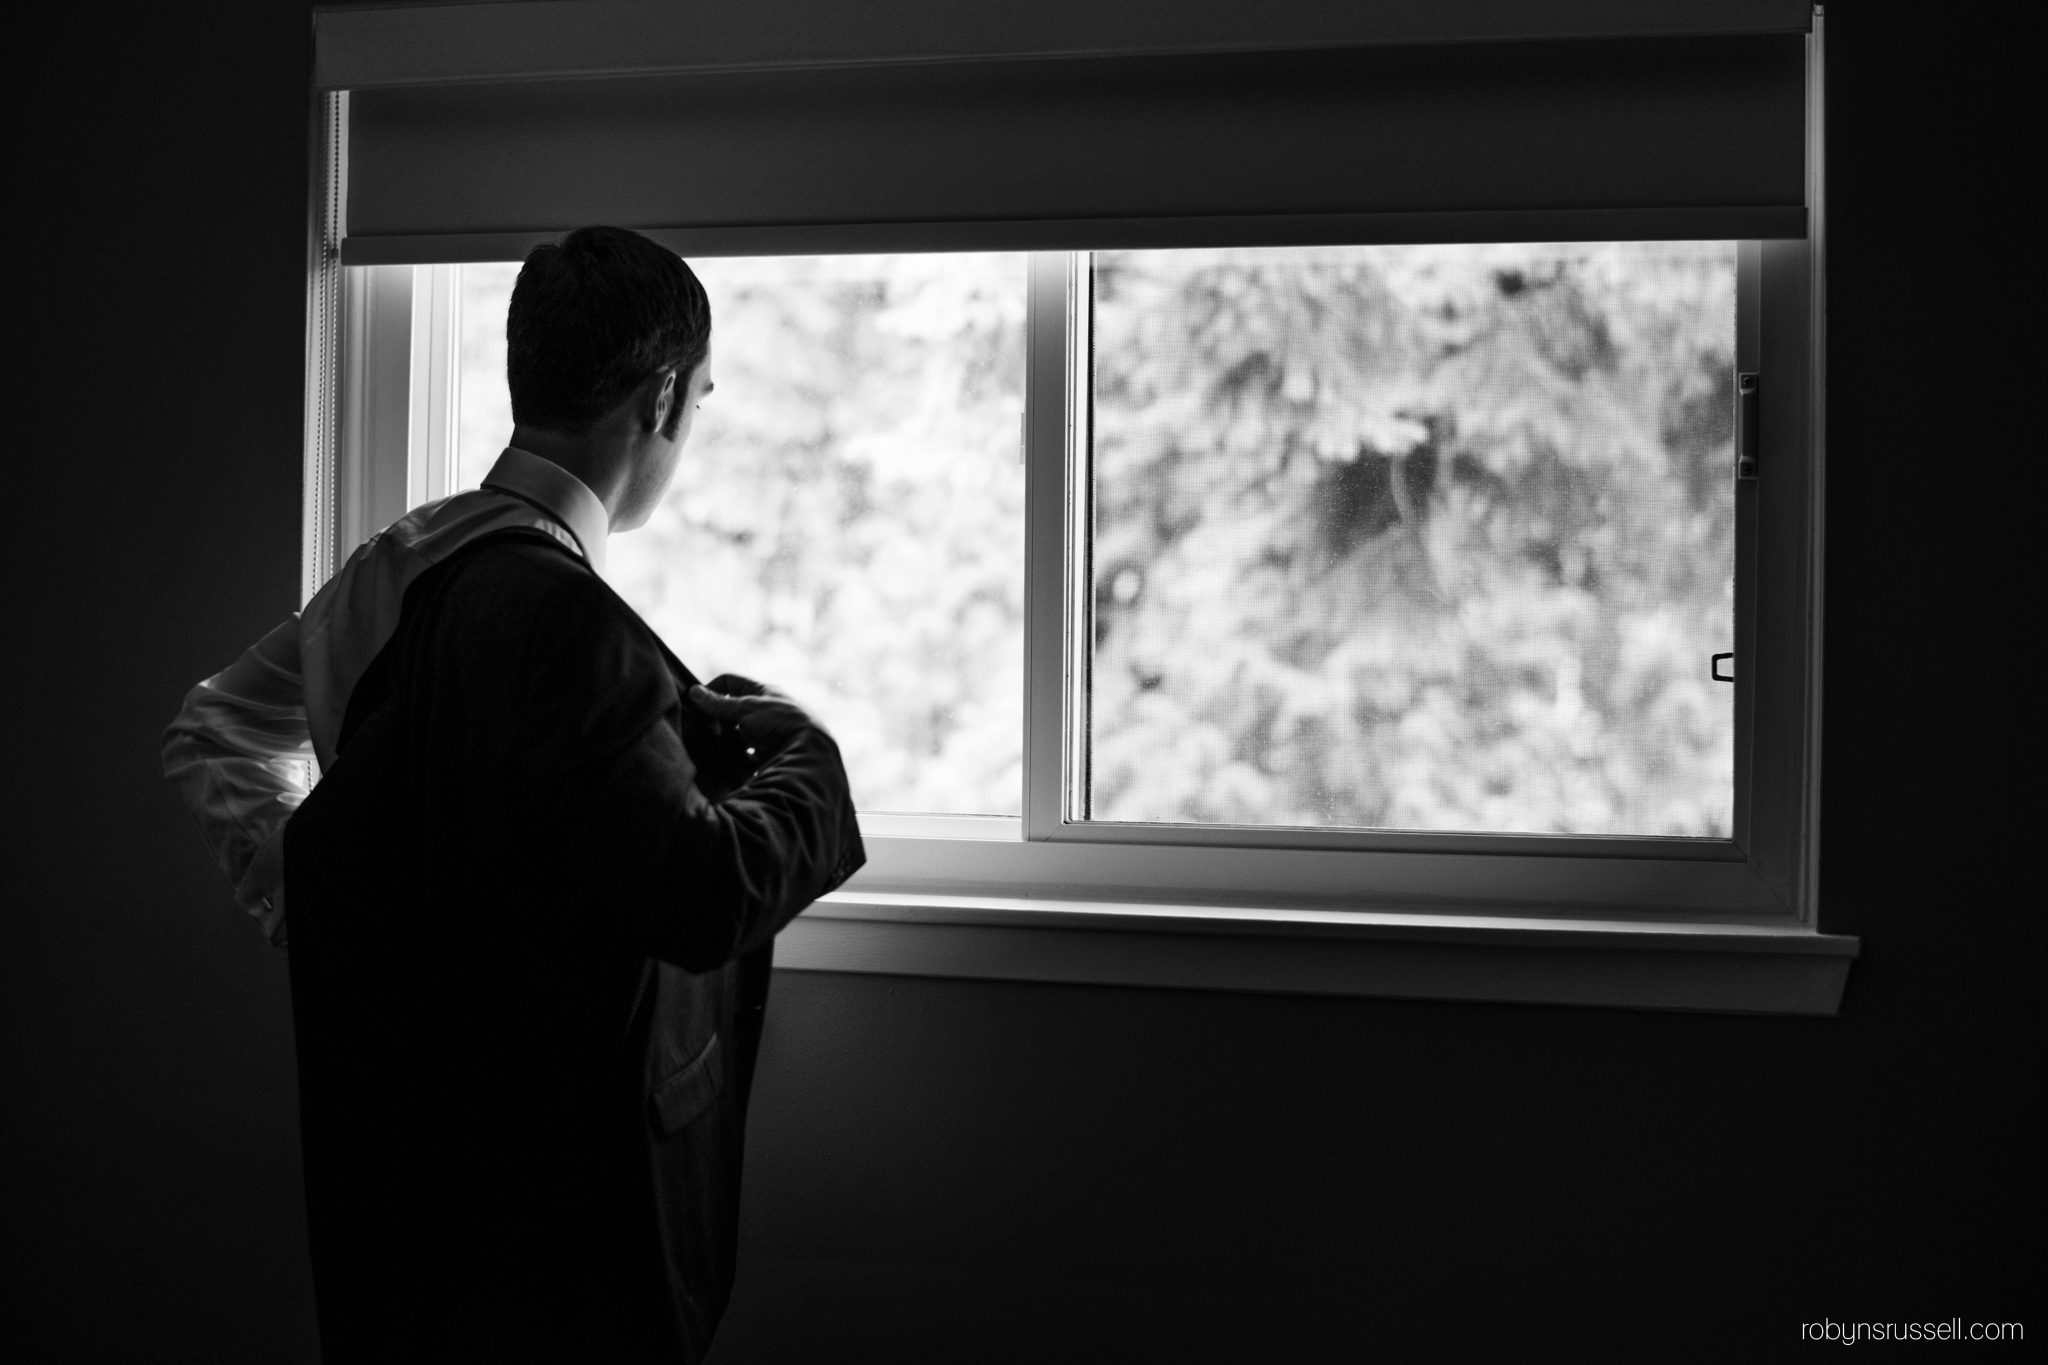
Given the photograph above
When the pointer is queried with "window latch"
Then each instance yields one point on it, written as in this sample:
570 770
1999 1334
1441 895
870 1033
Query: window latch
1748 428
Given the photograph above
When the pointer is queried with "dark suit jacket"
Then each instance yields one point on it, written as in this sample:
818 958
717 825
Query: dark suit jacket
531 908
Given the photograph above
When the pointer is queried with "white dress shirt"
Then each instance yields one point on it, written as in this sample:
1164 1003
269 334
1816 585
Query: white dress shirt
248 743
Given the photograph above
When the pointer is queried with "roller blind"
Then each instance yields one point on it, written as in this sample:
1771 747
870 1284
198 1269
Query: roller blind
1460 134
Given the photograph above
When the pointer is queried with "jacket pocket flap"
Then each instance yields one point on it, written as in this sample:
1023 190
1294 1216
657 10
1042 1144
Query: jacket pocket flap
685 1093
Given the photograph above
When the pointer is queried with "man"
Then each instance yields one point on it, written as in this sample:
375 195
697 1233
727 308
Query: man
531 901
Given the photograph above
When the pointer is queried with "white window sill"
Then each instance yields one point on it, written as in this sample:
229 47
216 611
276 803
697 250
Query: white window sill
1745 969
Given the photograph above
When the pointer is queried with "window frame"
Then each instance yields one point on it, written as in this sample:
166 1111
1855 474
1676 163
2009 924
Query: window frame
1053 777
1751 877
1726 924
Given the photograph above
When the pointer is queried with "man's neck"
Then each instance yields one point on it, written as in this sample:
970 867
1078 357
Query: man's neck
600 457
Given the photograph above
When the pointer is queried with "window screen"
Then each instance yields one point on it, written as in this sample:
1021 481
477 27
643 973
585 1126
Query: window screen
1428 538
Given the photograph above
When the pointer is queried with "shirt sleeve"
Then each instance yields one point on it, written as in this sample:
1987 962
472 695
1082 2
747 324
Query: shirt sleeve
241 758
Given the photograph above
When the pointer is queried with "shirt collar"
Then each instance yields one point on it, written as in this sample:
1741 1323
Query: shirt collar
557 492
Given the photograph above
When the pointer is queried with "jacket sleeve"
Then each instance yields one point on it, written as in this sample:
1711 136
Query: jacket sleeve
703 882
241 757
740 868
712 880
695 882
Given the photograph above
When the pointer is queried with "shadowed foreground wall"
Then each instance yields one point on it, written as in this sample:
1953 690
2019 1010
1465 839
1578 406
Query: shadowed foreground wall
971 1171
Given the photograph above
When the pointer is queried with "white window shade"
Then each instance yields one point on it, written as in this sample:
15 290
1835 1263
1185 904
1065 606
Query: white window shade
1493 131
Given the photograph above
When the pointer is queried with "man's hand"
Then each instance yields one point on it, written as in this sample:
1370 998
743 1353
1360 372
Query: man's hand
764 717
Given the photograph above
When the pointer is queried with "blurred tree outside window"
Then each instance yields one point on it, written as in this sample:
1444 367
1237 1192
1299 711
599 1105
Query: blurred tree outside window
1430 538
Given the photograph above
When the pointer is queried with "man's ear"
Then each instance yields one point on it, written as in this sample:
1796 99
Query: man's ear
660 402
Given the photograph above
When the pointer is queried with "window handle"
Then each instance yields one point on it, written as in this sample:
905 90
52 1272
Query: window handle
1748 425
1714 668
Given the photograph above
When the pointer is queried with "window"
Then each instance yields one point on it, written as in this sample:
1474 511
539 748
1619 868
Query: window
1265 611
1415 538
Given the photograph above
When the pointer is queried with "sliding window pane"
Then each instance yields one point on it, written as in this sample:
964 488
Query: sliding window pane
848 518
1422 538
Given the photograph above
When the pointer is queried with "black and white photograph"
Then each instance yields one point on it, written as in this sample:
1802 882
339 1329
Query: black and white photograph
750 682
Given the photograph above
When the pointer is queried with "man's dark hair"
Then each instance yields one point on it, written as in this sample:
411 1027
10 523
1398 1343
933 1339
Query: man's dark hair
594 316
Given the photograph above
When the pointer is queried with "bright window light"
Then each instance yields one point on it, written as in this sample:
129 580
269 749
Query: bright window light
1415 538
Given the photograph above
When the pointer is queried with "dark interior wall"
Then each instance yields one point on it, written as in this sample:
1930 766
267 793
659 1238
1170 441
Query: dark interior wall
975 1171
149 1185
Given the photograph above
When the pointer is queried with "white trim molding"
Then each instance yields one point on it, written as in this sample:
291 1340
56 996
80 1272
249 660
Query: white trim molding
1740 969
326 229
